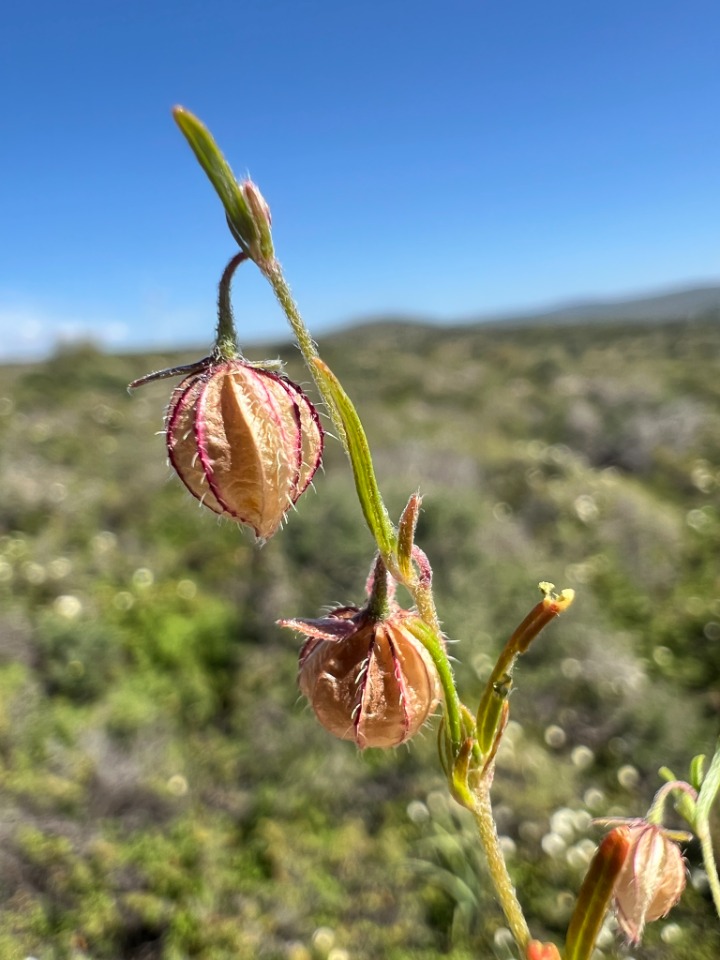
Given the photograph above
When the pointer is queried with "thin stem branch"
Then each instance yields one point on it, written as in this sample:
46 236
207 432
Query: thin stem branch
274 275
226 345
482 812
710 865
709 792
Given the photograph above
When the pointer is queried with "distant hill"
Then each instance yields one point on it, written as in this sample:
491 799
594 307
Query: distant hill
684 304
687 303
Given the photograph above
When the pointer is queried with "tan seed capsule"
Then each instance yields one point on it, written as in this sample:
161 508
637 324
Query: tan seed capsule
368 681
245 441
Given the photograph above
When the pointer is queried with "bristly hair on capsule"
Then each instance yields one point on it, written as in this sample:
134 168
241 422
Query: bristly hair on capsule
369 680
245 440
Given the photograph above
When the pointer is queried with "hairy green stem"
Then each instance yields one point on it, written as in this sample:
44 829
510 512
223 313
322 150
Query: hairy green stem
379 599
273 273
504 887
706 799
710 865
226 345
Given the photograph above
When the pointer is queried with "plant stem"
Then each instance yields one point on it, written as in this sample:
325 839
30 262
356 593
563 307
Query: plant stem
504 887
226 345
273 273
708 795
710 865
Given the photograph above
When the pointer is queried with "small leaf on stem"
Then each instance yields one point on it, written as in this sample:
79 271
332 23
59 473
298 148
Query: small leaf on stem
358 450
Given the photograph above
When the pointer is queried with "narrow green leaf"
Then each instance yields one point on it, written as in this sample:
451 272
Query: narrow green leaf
220 175
358 450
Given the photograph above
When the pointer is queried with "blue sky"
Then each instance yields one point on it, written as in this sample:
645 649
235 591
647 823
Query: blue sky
446 159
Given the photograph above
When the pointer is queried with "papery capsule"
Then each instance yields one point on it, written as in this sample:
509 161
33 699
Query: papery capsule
245 441
367 680
652 879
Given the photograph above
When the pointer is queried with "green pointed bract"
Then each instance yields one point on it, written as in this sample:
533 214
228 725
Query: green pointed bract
221 177
358 450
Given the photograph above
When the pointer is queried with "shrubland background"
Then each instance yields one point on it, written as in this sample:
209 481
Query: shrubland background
165 794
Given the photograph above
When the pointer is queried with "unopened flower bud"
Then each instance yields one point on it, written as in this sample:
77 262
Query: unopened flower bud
255 236
367 680
652 879
246 442
257 203
536 950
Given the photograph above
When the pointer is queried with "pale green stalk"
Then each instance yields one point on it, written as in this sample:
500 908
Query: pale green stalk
504 887
273 273
706 798
710 865
226 345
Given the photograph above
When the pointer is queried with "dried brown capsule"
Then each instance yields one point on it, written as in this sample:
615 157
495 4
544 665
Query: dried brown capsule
367 680
245 441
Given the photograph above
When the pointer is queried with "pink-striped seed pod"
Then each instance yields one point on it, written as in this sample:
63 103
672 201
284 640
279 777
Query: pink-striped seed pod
367 680
245 441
